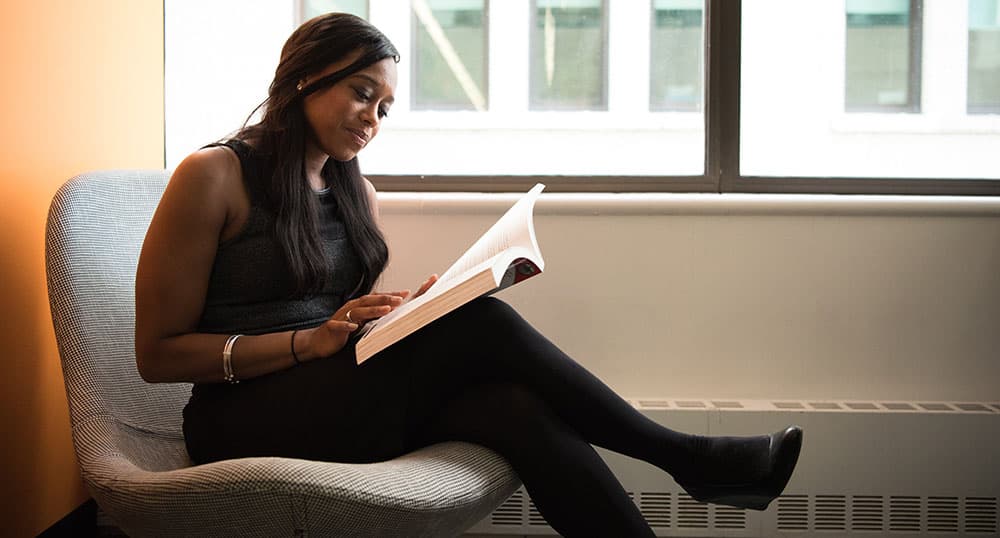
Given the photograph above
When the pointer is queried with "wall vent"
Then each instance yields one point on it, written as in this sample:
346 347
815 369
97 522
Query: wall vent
942 514
727 517
535 518
511 512
792 405
867 513
974 407
830 513
981 515
936 407
656 508
904 514
793 513
691 514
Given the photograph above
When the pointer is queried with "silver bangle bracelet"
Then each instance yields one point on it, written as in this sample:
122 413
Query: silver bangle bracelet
227 360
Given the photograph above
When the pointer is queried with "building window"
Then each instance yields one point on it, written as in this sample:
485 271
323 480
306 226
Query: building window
608 94
450 66
676 52
883 55
984 56
312 8
568 55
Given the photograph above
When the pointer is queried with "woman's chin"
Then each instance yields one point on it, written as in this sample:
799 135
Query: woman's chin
343 156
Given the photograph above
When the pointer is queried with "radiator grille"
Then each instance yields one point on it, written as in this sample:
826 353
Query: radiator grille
867 513
727 517
691 514
942 514
904 514
511 512
535 518
981 515
831 513
656 507
793 513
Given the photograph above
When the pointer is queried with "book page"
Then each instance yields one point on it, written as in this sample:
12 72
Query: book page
515 228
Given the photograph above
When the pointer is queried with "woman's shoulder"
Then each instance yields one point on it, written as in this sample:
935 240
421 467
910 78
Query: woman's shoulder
212 169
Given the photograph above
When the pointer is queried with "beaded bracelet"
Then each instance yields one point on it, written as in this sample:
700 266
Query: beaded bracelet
227 360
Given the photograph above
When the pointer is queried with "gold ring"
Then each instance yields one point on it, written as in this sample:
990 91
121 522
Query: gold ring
348 316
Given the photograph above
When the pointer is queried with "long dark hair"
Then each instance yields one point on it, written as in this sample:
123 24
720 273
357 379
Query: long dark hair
280 139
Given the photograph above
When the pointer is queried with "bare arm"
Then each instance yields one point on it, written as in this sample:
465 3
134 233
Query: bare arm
203 203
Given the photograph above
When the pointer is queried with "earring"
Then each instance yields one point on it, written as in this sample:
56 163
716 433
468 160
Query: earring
300 85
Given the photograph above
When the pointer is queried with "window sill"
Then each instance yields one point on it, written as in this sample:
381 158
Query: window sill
598 204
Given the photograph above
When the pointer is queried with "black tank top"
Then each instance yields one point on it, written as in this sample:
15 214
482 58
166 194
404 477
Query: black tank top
251 291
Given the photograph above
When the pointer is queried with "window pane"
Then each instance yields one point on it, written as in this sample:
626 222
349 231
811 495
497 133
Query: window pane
984 56
676 51
450 66
792 118
568 61
880 45
312 8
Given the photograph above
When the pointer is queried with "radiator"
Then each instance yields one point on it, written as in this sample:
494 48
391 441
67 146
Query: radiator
867 468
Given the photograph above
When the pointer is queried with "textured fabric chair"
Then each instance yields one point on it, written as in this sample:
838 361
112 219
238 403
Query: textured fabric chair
127 433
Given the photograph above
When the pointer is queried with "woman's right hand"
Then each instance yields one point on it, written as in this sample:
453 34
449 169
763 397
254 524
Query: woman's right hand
331 336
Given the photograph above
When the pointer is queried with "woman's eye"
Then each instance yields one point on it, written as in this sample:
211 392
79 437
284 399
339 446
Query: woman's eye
363 95
383 112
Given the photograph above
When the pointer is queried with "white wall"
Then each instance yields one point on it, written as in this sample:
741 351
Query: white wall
750 297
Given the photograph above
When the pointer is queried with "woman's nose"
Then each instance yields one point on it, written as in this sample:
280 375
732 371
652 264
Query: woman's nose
370 116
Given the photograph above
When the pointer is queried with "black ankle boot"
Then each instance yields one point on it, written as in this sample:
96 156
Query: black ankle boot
754 487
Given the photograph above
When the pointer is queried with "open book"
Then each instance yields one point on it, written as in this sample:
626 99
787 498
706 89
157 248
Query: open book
505 255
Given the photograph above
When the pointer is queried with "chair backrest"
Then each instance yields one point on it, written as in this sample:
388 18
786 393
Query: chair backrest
96 226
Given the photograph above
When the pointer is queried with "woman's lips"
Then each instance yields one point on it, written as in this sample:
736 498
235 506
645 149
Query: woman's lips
360 138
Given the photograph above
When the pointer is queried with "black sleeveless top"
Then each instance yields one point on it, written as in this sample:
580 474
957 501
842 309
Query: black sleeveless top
251 291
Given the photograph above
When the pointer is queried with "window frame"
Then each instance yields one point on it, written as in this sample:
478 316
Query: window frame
722 147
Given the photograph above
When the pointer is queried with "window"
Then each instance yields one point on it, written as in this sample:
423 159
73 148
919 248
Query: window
312 8
633 95
883 52
568 58
984 56
675 73
450 61
791 124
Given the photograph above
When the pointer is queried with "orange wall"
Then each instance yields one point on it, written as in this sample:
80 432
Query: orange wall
81 88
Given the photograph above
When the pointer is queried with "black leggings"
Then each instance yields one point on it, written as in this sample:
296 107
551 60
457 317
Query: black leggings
480 374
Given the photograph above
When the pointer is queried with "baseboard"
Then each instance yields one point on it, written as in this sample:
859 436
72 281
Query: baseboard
81 522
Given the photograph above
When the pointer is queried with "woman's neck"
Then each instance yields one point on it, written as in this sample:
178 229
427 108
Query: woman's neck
314 161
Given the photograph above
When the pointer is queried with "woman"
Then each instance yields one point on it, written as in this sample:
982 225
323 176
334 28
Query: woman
260 262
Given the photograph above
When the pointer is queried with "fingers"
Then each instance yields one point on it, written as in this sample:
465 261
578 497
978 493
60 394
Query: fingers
342 326
426 285
369 307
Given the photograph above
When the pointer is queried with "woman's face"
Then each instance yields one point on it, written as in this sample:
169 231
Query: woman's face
345 117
